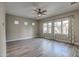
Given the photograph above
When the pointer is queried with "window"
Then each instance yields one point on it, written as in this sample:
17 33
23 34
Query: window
61 27
57 27
25 23
47 27
16 22
33 24
65 27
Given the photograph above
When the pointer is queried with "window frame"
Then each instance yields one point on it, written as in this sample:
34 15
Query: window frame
57 26
49 28
44 28
62 20
64 26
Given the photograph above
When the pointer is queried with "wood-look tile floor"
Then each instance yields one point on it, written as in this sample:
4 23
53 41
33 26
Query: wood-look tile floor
39 47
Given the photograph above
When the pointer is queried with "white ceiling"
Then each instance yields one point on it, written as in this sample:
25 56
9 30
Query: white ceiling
25 9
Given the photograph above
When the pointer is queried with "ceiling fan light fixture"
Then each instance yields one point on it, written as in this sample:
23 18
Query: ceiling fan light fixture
39 15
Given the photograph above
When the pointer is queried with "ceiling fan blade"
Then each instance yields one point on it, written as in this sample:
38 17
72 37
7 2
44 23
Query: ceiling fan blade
36 10
44 11
44 14
34 13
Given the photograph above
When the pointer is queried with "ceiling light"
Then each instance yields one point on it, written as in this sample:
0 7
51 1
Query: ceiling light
39 15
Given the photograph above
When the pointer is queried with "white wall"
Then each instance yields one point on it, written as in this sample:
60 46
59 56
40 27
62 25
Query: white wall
20 31
75 21
2 31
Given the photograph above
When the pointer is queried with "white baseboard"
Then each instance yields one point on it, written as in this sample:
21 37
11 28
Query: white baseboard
19 39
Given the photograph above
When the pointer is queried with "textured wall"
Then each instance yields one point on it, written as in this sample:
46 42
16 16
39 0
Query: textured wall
20 31
2 31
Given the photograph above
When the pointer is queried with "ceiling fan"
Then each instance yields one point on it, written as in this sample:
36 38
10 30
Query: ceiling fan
40 12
